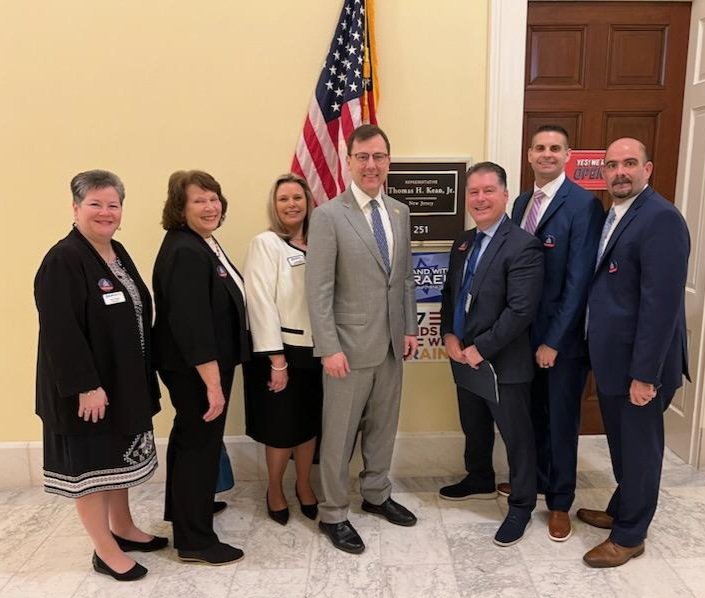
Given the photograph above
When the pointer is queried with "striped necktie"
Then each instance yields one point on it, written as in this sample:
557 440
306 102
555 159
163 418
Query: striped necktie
532 220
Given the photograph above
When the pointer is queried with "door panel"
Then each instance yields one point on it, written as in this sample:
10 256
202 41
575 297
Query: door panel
605 70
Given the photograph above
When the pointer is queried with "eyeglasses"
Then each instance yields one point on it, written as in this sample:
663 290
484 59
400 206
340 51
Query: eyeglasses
363 157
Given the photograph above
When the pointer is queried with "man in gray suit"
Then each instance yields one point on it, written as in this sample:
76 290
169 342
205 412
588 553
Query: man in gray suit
361 298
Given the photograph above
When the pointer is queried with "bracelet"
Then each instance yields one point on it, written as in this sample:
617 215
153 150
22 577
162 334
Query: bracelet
281 369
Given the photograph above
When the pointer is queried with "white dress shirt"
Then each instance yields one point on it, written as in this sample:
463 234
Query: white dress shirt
549 190
363 200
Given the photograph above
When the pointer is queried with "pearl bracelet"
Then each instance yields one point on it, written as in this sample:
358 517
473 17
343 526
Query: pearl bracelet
281 369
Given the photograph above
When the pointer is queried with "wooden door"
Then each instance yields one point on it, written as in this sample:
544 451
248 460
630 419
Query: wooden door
605 70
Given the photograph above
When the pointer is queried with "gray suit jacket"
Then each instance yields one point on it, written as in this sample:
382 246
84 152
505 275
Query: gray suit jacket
355 306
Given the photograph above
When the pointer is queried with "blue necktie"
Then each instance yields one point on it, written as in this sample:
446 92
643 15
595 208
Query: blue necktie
611 215
380 236
459 311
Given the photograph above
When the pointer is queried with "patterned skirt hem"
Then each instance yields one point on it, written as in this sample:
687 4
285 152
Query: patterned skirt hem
99 481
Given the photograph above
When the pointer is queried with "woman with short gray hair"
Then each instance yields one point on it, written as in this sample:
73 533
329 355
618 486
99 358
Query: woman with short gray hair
96 389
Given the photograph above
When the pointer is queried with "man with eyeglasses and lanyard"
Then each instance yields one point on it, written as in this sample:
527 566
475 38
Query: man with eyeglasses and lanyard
361 297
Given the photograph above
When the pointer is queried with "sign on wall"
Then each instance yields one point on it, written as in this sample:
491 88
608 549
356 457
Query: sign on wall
430 268
584 167
435 194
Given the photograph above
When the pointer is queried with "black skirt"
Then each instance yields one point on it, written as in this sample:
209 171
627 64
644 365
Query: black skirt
76 465
291 417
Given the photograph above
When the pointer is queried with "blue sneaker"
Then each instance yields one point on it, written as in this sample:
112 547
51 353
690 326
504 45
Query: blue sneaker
512 529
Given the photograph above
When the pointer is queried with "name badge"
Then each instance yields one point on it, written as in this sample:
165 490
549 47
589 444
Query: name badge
296 260
113 298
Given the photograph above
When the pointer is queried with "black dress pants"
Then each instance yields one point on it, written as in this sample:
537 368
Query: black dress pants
513 418
192 458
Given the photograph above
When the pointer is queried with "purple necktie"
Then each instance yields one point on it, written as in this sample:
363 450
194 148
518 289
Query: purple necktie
532 220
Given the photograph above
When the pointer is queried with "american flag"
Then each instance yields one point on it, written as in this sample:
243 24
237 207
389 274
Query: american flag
344 99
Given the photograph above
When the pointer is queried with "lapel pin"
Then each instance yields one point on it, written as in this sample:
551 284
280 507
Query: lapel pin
549 241
613 267
105 285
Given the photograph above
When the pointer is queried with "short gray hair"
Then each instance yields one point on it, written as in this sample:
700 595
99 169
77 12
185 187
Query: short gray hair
84 182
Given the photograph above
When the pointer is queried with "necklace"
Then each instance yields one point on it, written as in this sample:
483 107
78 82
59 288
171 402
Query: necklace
213 244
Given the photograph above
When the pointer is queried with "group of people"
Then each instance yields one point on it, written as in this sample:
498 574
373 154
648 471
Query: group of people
547 294
322 318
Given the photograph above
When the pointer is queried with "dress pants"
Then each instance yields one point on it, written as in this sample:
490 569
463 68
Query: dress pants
192 458
635 438
555 414
367 399
513 418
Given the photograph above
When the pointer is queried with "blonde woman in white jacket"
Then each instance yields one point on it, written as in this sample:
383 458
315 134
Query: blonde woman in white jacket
283 383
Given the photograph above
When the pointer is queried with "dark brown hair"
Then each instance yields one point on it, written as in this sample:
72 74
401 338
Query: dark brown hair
488 167
365 132
173 213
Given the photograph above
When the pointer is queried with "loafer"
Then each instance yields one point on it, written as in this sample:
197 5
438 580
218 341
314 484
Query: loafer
595 518
559 528
512 529
505 489
392 511
343 536
219 506
137 572
309 511
609 554
465 490
156 543
217 554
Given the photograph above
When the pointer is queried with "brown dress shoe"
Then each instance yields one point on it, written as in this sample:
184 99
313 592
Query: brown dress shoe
559 528
595 518
609 554
504 488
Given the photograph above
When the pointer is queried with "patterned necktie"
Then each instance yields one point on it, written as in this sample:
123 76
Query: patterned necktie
611 215
532 220
380 236
459 311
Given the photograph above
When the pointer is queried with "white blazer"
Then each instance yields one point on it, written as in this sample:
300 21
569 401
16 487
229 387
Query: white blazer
276 295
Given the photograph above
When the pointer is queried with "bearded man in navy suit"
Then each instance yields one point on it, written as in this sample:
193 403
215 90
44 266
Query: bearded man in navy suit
567 220
637 340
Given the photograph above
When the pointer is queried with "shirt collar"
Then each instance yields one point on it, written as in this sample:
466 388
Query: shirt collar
621 208
551 188
362 198
490 231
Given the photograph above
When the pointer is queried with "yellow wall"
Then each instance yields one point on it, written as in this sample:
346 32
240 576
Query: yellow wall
145 88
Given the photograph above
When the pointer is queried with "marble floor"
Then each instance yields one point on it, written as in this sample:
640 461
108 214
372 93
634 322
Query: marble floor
45 552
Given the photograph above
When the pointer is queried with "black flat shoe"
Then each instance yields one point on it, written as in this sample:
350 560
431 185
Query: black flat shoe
281 516
137 572
218 506
218 554
310 511
156 543
343 536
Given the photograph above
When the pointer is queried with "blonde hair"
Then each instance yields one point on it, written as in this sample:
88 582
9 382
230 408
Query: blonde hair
275 223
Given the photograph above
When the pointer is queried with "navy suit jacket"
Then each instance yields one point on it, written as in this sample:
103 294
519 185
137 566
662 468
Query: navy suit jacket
570 232
636 326
505 294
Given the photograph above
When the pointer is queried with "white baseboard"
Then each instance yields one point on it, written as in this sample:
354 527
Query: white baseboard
415 454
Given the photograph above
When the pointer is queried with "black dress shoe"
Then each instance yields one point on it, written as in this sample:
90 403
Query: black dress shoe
343 536
217 554
310 511
218 506
156 543
137 572
392 511
281 516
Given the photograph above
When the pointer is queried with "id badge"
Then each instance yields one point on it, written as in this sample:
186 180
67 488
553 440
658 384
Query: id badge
113 298
296 260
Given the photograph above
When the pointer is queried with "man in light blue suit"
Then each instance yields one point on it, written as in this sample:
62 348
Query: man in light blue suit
637 339
567 220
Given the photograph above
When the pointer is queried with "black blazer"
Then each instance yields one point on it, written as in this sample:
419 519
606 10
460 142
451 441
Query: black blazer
506 291
200 309
85 343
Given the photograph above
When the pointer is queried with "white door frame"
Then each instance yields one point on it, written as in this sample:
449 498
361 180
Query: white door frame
505 85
